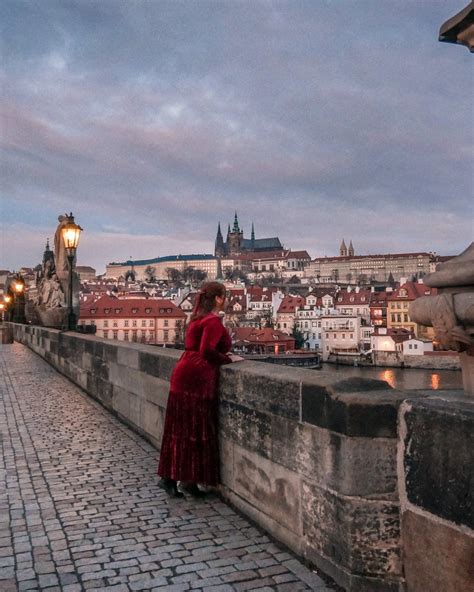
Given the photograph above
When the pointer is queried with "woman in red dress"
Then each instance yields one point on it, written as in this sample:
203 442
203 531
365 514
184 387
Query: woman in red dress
190 447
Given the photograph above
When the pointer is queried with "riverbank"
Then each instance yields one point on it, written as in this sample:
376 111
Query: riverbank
429 361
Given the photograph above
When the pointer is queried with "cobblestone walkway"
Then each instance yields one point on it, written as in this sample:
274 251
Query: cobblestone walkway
80 508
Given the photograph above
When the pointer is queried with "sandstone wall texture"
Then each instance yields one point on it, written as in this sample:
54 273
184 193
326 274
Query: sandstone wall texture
436 486
310 458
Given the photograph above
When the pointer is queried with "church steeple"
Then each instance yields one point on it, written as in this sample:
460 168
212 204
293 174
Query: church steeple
343 249
236 224
252 238
219 245
351 249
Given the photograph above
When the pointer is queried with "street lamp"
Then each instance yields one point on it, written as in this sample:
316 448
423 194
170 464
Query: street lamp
71 233
2 309
18 286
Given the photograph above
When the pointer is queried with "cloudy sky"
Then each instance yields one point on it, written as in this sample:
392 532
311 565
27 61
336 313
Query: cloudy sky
152 120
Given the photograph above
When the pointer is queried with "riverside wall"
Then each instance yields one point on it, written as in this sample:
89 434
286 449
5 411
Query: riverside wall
310 458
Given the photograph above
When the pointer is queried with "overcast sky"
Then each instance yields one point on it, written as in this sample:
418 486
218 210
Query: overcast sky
153 120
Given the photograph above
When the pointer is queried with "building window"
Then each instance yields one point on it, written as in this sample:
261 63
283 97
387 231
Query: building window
165 335
115 334
115 324
143 322
106 323
165 323
134 323
151 323
126 333
106 334
125 323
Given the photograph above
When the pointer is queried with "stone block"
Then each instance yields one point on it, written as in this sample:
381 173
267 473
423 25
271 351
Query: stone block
439 456
437 557
369 413
128 356
226 453
156 390
360 536
273 390
249 428
271 488
149 363
351 466
6 335
152 422
126 405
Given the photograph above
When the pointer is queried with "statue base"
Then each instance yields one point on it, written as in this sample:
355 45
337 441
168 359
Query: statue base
56 318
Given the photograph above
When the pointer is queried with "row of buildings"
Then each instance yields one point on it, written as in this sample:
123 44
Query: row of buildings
330 320
265 257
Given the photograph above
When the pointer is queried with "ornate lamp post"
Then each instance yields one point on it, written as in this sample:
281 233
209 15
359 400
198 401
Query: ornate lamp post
18 291
70 234
7 300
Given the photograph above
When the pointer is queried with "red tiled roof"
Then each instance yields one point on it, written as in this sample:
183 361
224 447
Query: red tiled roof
414 290
361 298
290 303
127 308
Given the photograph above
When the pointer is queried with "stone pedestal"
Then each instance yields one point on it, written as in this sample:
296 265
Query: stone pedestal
6 334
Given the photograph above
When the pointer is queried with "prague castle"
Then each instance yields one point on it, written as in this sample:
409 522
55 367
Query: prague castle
235 243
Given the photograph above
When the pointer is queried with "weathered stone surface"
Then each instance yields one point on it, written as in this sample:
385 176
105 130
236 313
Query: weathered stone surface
439 456
270 390
226 452
369 413
152 421
271 488
361 536
247 427
436 556
336 461
126 404
6 335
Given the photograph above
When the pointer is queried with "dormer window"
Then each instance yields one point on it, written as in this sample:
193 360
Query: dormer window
117 310
148 310
106 310
93 310
134 310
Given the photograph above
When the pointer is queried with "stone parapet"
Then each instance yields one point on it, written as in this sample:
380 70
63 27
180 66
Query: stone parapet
435 475
310 458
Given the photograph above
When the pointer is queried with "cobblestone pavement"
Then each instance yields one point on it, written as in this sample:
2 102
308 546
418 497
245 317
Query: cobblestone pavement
80 508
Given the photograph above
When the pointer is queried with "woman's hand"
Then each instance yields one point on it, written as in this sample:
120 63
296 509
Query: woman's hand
236 358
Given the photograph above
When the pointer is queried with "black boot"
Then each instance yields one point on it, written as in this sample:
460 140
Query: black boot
170 486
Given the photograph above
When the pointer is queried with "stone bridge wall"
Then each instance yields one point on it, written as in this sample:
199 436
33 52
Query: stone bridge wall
311 459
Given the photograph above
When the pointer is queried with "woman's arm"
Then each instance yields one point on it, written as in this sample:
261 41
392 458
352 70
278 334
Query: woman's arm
212 334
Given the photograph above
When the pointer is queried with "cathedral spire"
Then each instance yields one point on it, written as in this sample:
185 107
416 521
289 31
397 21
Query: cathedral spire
219 245
351 249
236 223
343 249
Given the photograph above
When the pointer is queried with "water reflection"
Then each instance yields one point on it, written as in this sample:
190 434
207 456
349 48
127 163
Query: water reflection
435 380
389 377
403 378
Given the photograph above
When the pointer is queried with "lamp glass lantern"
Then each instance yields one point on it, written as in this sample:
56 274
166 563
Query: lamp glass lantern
71 233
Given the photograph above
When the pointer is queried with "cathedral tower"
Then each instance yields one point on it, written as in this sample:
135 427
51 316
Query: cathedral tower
343 249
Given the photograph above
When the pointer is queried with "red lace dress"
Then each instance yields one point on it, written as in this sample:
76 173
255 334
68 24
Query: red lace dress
190 448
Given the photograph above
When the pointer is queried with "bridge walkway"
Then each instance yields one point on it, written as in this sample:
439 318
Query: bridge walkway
80 508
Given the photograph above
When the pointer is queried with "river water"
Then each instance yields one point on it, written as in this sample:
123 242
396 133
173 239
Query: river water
403 378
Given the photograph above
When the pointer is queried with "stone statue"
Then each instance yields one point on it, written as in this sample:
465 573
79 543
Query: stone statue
451 312
60 257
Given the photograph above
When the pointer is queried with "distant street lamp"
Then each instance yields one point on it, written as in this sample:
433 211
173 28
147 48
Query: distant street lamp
71 233
18 291
2 310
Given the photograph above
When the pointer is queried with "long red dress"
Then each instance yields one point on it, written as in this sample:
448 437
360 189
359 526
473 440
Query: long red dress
189 448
